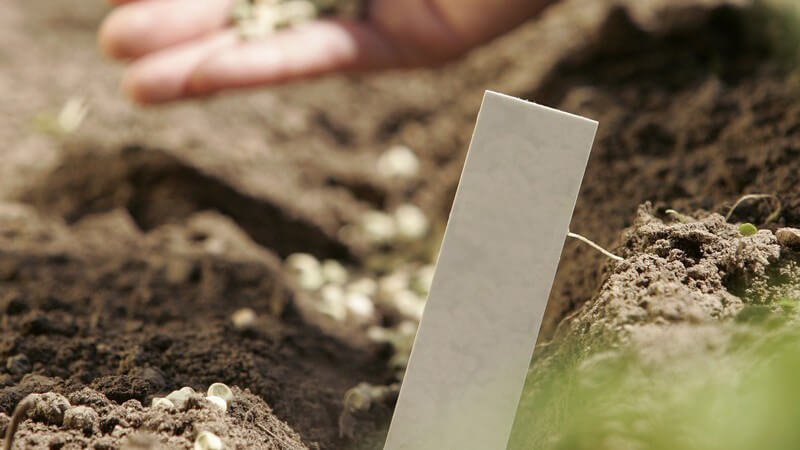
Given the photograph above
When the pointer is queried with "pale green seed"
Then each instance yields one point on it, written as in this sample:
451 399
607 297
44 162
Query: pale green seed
748 229
218 402
207 440
222 391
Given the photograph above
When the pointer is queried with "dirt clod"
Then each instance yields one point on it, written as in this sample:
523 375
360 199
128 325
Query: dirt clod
49 408
82 418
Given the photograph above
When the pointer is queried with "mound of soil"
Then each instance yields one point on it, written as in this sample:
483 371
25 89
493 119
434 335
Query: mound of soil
673 273
695 306
88 419
133 316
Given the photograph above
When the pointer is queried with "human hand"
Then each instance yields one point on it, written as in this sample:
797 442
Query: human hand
184 48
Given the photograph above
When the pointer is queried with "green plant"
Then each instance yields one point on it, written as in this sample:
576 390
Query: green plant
748 229
776 212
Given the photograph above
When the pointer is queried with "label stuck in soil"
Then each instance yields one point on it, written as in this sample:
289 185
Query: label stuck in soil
496 267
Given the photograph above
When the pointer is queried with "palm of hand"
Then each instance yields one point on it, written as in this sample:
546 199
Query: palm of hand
183 48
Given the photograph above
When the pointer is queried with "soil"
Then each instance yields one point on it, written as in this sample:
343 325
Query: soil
127 246
91 420
99 305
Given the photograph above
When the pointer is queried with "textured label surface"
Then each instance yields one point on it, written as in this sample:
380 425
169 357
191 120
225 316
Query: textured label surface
493 278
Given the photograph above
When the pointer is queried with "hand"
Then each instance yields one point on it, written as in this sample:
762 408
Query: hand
184 48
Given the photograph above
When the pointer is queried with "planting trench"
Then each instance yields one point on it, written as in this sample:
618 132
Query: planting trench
122 264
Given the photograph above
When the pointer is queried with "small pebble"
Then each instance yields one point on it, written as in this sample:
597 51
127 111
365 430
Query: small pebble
398 162
411 222
788 237
207 440
244 319
222 391
82 418
218 402
334 272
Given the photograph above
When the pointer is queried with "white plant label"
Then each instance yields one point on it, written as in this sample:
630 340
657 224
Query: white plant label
493 278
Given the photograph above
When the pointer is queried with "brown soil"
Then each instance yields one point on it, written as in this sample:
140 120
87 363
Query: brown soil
673 273
91 420
99 305
126 247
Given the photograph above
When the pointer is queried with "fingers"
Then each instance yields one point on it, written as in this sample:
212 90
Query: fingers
308 51
223 61
140 27
163 76
120 2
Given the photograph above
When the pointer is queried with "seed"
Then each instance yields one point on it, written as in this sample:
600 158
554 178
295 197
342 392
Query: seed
409 304
422 280
407 328
334 272
306 271
218 402
412 224
398 162
72 115
244 319
301 262
294 12
260 19
748 229
366 286
357 399
207 440
220 390
378 227
360 308
160 402
364 395
378 334
390 285
401 337
332 302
